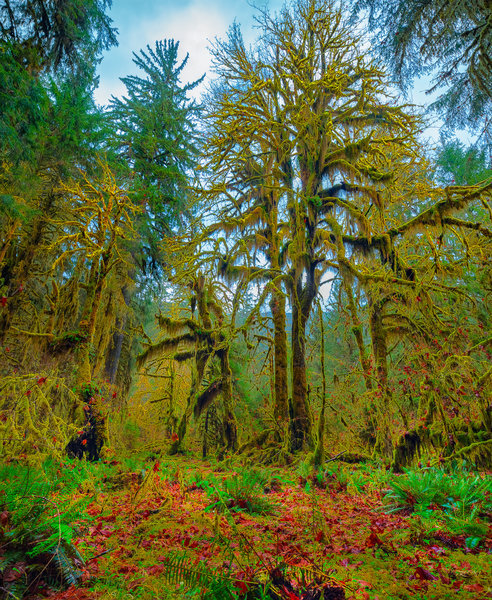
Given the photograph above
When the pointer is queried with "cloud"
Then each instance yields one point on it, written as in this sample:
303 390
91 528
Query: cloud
194 25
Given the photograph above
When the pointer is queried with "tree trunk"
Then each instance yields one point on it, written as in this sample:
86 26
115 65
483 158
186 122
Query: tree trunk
383 443
319 452
300 419
281 406
24 262
230 425
114 354
88 320
357 331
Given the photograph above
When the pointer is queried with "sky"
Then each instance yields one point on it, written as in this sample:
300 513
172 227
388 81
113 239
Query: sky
194 23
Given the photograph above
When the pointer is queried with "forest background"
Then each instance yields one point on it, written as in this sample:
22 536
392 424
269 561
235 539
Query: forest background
281 265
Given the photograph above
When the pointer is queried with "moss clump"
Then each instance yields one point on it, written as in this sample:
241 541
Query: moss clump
65 342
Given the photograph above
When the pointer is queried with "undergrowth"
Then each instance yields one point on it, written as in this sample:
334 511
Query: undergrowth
458 501
39 508
243 490
150 528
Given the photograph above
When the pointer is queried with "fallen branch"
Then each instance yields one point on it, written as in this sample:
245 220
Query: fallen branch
335 457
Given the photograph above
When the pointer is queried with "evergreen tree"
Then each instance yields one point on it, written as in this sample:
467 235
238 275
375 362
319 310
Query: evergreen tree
451 40
155 136
53 35
459 165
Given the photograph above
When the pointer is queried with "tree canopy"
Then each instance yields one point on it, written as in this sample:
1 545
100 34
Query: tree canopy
449 40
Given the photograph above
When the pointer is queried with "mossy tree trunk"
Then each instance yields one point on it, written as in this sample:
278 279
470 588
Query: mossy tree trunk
230 425
19 274
357 328
301 425
319 451
380 352
281 402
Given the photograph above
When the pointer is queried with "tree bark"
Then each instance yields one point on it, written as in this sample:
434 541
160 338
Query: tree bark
281 406
301 427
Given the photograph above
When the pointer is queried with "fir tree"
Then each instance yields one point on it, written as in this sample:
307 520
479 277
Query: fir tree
155 126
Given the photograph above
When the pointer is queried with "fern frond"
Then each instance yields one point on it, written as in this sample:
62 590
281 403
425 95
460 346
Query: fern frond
215 585
69 573
177 569
15 590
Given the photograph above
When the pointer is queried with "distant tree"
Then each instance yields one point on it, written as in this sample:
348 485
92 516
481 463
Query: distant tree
204 339
153 141
457 164
451 39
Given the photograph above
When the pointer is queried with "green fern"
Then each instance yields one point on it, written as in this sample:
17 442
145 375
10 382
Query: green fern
15 590
245 491
40 529
214 585
177 570
457 499
68 572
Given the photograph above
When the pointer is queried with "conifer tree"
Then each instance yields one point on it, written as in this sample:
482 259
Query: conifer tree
155 136
48 36
451 40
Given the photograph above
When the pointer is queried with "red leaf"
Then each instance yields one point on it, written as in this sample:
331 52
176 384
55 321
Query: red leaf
242 587
373 540
156 467
41 380
3 301
15 572
423 574
155 569
4 518
127 569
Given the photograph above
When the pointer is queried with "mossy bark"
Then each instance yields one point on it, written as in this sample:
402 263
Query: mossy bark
319 451
357 331
230 425
281 403
300 426
23 266
380 351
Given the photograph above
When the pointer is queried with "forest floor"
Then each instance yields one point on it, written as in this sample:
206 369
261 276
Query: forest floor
179 527
163 528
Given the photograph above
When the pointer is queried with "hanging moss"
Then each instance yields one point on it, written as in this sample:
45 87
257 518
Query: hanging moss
405 450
